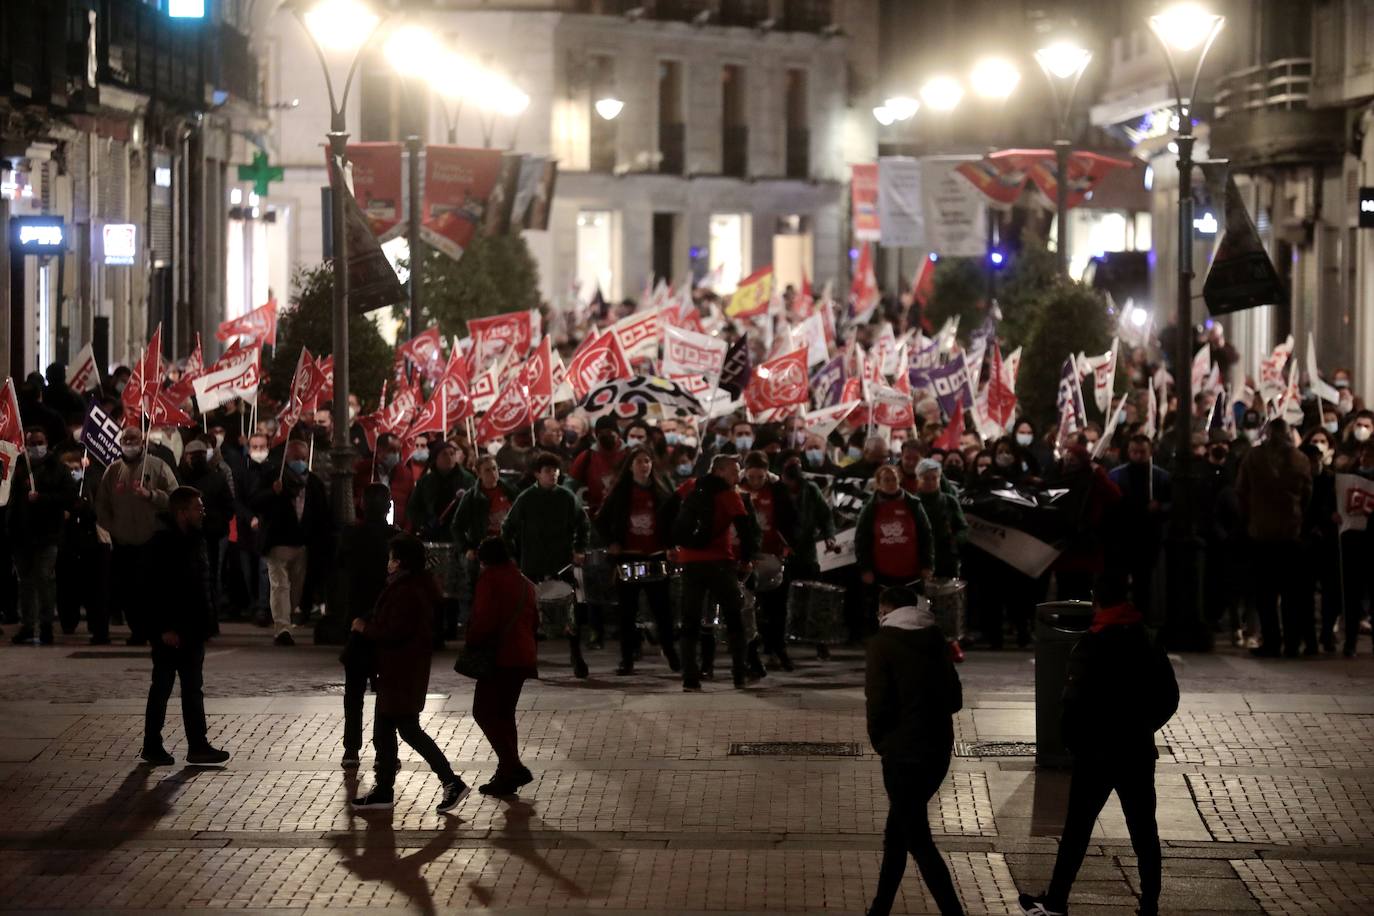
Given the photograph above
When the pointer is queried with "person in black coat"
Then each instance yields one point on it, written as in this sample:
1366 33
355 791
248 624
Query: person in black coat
178 624
911 692
1120 691
83 560
216 491
635 523
40 495
363 553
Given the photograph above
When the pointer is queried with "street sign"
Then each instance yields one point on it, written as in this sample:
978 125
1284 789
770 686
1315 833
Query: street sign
120 243
38 235
1367 208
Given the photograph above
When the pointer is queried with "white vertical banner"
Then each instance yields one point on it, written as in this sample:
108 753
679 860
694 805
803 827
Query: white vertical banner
901 204
955 211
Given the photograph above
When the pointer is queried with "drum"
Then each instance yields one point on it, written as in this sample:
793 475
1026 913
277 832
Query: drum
598 577
556 600
646 569
948 598
767 572
815 613
441 559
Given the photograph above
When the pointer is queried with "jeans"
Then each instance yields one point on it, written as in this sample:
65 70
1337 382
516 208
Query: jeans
169 664
1091 784
627 602
286 575
37 573
385 728
910 785
493 709
718 582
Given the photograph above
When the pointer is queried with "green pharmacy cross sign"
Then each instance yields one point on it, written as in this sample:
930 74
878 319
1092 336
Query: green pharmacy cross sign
260 173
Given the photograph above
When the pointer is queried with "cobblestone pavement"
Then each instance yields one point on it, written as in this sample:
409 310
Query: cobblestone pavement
639 805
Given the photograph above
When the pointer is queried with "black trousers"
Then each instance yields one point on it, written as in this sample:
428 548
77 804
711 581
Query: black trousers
493 709
359 662
772 613
1278 584
385 728
128 582
627 605
1357 582
169 664
910 785
1090 786
718 583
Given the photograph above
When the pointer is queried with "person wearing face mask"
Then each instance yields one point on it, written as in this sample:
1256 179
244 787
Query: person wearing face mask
1274 487
1035 452
634 522
953 472
741 439
83 562
386 467
893 544
217 494
815 456
131 494
1009 461
294 519
948 527
41 493
597 467
682 459
431 508
479 515
363 551
1220 526
873 457
1358 583
1146 497
1359 429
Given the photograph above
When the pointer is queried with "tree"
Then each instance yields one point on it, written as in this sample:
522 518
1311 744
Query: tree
960 290
310 323
1069 318
1030 274
496 274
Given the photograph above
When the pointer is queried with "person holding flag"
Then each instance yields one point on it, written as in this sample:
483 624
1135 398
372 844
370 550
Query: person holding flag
131 494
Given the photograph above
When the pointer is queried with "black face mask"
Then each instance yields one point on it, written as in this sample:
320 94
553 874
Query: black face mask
198 463
792 473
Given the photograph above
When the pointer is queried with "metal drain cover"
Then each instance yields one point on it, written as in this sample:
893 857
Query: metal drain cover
994 749
126 653
794 749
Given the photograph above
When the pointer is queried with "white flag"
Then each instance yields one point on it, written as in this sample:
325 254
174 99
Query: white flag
82 374
689 353
812 330
1322 389
234 375
823 422
1101 448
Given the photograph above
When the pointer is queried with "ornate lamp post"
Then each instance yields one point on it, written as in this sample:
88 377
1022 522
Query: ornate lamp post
1063 64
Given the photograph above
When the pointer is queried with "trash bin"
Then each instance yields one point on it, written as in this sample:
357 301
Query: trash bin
1058 626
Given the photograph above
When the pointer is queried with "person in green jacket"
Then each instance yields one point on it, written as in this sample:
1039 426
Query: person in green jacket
815 520
430 509
948 528
546 530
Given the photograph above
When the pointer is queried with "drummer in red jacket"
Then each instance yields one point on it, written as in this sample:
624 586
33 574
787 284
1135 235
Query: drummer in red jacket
501 592
634 522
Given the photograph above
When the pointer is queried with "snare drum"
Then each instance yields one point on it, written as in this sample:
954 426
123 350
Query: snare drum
815 613
947 602
442 563
767 574
556 600
645 569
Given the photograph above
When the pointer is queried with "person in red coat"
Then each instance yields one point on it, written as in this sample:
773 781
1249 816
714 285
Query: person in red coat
502 591
402 630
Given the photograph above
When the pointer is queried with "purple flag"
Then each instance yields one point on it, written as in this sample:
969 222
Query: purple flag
827 382
950 383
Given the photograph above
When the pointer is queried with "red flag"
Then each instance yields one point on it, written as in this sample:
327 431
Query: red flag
165 410
779 382
949 439
325 367
144 382
510 412
195 368
536 374
923 284
597 361
1001 395
863 291
449 405
11 426
258 326
496 334
425 350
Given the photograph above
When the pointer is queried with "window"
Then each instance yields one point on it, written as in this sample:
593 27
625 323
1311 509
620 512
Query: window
602 133
798 134
595 253
728 243
734 123
671 130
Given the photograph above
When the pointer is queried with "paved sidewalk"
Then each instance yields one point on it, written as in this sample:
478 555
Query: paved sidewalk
639 806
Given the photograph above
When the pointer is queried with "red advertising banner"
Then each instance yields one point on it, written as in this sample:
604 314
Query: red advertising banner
377 186
863 190
458 183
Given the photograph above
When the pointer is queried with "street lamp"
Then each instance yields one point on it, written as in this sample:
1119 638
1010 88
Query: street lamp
609 108
1063 64
994 78
344 26
942 93
1188 31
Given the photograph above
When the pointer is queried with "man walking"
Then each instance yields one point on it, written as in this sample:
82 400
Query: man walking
293 513
132 493
1120 691
43 491
179 622
1273 489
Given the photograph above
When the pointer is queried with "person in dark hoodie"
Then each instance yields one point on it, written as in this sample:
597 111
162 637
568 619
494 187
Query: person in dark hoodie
42 493
402 628
363 551
1120 691
912 693
178 624
634 522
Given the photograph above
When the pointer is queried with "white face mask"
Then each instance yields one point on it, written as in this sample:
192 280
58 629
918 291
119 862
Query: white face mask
258 455
1361 433
493 447
1024 439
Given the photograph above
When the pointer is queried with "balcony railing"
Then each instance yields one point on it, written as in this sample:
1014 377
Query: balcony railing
799 153
735 152
672 148
1282 85
743 12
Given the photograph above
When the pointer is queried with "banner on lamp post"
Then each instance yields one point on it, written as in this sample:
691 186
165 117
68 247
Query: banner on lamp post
458 185
900 204
863 192
377 186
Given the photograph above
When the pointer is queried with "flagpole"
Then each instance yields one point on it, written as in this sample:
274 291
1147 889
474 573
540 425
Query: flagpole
443 407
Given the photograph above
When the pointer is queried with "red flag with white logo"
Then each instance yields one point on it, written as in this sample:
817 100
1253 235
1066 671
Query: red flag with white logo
511 411
779 382
511 332
425 350
638 334
11 426
596 361
536 374
144 382
949 439
256 327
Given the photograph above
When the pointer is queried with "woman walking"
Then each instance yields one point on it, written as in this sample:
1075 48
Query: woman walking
504 610
402 629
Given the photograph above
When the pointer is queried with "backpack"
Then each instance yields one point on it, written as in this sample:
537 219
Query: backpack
694 524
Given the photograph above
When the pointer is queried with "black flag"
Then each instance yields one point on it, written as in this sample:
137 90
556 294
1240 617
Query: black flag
1241 276
734 373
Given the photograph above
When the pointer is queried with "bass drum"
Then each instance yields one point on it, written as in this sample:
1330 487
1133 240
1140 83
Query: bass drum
767 574
815 613
556 600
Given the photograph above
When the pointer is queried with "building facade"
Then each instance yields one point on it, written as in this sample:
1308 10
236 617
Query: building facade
729 151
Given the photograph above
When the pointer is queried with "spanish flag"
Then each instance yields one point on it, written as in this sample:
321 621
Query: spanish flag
752 295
